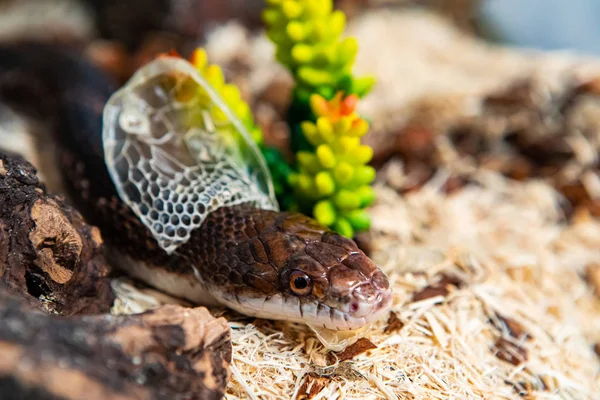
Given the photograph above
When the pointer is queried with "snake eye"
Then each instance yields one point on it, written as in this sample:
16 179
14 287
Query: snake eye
300 283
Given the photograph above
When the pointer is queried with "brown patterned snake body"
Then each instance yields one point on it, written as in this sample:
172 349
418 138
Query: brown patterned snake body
202 237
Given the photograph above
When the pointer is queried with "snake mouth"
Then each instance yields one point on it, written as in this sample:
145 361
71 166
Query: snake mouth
350 315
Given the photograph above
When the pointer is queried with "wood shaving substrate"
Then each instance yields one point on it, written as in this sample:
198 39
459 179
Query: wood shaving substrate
519 318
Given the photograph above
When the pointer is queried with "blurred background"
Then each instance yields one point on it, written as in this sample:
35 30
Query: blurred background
512 84
545 24
121 34
541 24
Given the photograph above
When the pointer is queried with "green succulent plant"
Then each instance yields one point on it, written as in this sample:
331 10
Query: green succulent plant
333 181
308 39
331 178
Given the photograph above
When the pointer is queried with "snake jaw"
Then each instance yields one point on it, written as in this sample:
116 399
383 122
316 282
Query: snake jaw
292 309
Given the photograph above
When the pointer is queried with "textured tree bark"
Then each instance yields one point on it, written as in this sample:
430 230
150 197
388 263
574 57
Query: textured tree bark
170 353
48 253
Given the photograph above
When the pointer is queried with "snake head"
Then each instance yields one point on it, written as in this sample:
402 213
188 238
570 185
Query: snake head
301 271
338 286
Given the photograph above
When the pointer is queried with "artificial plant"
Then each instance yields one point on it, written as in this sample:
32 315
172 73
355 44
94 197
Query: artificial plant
331 177
307 35
333 180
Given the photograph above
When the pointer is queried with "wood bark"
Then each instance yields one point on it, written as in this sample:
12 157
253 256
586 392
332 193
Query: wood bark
48 253
170 353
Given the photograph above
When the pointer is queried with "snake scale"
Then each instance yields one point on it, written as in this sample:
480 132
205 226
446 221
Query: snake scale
255 260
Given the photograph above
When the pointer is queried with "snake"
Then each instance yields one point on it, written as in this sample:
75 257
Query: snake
182 195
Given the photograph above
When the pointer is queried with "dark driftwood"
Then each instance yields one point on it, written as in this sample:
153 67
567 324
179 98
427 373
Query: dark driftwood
52 260
169 353
48 254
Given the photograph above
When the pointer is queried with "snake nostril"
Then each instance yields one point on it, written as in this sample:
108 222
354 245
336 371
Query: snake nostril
354 307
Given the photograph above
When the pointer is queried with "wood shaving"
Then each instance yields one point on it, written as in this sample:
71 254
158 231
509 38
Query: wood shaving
510 352
394 323
312 385
431 291
593 277
512 327
352 351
